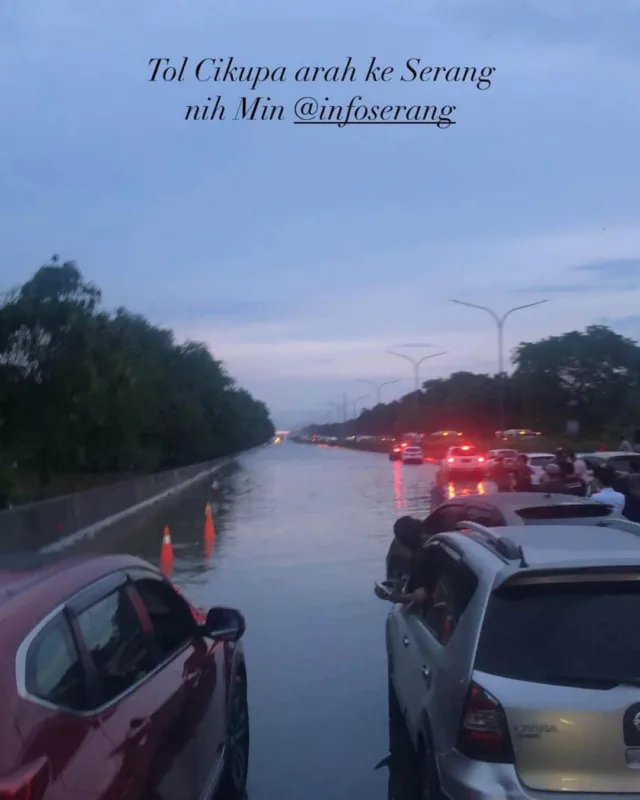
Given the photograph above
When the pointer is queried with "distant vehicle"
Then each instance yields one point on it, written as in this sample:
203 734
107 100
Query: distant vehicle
115 687
445 435
508 459
517 433
395 452
622 462
537 462
412 455
463 461
511 637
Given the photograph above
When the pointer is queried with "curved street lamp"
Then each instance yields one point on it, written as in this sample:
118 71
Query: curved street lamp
500 320
378 387
415 363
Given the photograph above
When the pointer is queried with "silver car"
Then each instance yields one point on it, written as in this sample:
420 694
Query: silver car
520 676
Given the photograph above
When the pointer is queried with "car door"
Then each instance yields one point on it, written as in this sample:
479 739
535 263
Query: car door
140 698
202 660
430 632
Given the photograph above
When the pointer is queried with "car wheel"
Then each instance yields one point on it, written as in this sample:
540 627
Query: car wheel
236 766
429 780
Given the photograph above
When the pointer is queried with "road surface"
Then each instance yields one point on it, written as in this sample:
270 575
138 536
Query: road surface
301 536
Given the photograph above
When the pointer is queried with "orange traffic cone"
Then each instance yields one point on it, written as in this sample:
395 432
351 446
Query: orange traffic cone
166 554
209 530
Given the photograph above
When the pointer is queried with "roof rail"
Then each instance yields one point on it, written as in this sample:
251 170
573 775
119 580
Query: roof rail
502 546
620 524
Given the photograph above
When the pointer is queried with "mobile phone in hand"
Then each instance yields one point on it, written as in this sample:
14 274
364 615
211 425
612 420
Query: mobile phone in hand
384 588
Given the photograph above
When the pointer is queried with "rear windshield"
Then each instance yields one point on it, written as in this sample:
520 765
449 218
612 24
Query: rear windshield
507 453
540 461
580 634
459 451
566 513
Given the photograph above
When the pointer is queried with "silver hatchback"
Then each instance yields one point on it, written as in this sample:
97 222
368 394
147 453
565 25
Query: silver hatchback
520 676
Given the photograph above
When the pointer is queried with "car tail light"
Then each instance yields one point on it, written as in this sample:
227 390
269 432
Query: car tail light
465 447
481 459
397 449
451 460
29 783
484 735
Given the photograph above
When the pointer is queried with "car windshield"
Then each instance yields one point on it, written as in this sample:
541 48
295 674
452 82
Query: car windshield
463 451
507 453
579 634
569 512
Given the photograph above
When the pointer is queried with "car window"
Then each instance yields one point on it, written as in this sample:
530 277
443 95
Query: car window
445 518
621 463
449 593
566 513
461 451
54 671
114 637
484 515
171 618
574 633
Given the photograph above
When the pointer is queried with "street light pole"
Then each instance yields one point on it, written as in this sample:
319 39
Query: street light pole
378 387
415 363
500 320
355 402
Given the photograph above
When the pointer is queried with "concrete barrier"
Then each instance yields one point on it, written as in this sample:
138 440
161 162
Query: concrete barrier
57 523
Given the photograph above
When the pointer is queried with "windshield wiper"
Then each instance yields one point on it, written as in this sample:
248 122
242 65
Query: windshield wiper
597 682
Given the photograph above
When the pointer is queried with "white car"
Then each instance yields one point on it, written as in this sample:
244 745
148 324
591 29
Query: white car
537 462
464 460
412 455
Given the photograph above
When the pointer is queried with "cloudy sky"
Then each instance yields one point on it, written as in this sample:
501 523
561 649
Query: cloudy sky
300 254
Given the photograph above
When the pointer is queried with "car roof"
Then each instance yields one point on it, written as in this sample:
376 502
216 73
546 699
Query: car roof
515 500
538 455
574 545
610 453
33 584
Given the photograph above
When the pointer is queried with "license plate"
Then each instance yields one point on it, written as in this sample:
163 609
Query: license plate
466 460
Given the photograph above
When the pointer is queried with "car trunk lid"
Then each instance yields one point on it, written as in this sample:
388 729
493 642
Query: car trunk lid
571 739
563 661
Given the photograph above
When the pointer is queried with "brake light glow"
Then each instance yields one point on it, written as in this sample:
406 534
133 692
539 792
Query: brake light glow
465 447
451 460
29 784
481 459
397 449
484 735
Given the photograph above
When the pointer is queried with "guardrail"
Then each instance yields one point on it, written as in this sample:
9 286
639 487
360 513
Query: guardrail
40 525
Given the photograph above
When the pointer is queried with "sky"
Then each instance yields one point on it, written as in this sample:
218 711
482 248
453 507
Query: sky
302 254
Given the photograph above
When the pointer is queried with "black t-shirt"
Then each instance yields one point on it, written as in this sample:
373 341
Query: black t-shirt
424 570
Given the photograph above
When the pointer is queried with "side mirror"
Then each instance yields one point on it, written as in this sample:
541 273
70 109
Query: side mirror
224 624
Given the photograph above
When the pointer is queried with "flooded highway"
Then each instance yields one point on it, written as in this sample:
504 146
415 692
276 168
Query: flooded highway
301 536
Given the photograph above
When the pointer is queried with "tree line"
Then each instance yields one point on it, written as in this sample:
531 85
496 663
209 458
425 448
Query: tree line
589 379
84 390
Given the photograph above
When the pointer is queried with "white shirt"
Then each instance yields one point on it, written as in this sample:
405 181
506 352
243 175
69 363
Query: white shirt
611 498
580 467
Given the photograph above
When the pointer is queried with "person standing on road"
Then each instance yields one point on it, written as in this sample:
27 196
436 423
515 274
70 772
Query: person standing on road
523 474
501 475
552 480
607 494
438 493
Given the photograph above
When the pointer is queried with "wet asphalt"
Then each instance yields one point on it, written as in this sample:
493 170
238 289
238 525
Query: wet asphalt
301 534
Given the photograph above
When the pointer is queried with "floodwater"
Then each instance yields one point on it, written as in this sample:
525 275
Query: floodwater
301 536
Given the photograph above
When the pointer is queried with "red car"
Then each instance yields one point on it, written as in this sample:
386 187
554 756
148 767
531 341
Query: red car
116 688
